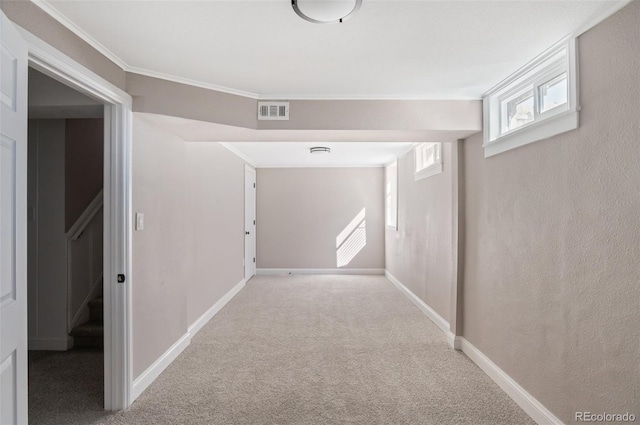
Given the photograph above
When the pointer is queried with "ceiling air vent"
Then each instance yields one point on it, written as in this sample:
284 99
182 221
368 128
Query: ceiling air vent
273 110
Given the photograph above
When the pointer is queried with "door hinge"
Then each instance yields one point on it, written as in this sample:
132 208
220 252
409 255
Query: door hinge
121 278
254 185
254 259
254 222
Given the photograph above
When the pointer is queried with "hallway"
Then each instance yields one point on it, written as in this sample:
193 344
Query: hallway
321 350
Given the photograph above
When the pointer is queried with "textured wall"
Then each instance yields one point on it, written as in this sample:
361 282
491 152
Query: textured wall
84 161
301 212
190 252
419 253
553 242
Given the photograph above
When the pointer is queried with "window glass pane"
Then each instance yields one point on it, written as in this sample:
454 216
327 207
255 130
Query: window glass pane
553 93
519 109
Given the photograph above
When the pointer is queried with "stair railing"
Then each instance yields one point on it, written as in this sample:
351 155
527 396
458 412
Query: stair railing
84 267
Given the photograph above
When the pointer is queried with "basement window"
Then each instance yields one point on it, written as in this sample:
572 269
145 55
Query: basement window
391 195
428 158
537 102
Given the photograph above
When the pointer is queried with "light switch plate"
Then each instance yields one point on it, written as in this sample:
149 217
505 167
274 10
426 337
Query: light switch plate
139 221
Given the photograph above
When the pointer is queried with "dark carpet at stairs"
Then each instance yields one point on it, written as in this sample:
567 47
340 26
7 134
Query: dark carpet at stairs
320 350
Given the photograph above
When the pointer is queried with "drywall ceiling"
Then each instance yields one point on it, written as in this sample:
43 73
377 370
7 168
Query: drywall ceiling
389 49
50 99
290 154
290 148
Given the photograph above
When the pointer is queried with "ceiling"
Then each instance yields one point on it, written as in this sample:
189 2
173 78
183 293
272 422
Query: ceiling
290 148
287 154
390 49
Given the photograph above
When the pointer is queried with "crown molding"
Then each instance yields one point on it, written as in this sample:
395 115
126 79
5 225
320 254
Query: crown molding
48 8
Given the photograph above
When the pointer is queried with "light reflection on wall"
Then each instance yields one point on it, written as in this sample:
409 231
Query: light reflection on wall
351 240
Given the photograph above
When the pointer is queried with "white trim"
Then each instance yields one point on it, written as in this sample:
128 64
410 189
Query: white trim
67 23
238 153
193 83
526 401
147 377
530 78
439 321
93 292
454 341
51 344
286 272
536 131
46 6
208 315
117 209
428 172
615 5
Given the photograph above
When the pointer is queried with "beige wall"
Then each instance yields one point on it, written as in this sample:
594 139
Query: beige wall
162 97
190 252
39 23
215 229
553 242
419 253
301 212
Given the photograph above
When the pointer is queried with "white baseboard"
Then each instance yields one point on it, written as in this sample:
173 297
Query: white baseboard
454 341
431 313
526 401
51 344
285 272
204 319
147 377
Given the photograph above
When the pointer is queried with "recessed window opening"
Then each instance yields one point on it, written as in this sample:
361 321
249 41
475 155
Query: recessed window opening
537 102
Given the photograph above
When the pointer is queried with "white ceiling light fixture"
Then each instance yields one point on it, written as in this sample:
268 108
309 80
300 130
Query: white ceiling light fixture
319 150
326 11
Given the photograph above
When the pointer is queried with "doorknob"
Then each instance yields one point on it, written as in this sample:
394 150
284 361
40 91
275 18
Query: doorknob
246 233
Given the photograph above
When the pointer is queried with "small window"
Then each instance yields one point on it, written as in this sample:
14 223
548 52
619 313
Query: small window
428 158
391 195
537 102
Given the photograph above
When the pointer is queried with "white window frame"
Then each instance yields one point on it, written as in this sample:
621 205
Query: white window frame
423 168
560 59
391 195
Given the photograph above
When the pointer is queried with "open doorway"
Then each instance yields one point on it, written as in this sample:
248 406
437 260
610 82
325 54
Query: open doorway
65 227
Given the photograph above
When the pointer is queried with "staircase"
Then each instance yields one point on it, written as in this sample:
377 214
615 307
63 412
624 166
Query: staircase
91 333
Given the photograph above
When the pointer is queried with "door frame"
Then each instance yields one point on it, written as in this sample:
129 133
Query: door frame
117 210
250 170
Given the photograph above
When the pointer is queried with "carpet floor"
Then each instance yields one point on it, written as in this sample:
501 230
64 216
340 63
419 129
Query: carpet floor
318 350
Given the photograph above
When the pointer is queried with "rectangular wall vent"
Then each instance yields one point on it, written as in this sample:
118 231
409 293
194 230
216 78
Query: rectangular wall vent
273 110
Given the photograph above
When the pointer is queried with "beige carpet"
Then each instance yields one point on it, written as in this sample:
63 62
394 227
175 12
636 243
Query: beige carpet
320 350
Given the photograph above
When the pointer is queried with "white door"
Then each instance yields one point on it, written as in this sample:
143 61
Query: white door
249 222
13 226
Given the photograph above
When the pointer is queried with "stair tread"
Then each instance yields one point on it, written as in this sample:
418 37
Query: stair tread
92 328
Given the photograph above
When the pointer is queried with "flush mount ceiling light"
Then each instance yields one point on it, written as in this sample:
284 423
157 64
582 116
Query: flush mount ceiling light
325 11
318 150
